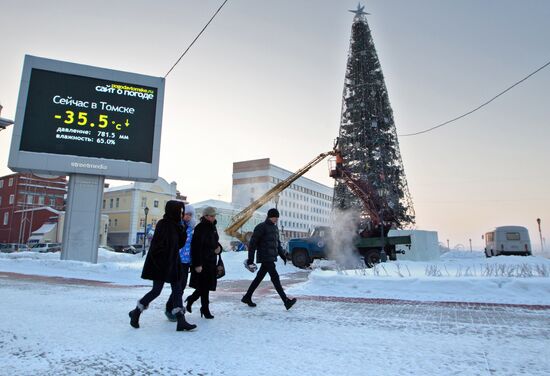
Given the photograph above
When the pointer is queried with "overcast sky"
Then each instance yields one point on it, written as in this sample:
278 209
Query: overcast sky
266 80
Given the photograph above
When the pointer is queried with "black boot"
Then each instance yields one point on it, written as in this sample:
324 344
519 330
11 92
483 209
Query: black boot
182 324
168 313
205 310
289 303
248 300
189 303
134 315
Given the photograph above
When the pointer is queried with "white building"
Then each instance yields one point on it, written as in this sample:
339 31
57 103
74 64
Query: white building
226 211
302 206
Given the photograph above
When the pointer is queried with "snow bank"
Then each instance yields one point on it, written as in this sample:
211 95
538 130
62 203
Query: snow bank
463 276
458 276
119 268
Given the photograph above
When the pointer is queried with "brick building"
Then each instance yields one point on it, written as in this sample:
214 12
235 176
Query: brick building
27 201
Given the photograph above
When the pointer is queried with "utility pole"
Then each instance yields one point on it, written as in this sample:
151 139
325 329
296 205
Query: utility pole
470 244
540 234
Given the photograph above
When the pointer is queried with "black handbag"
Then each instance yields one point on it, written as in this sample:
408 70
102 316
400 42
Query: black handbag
220 267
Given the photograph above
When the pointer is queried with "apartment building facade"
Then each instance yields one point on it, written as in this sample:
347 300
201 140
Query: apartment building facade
303 206
125 205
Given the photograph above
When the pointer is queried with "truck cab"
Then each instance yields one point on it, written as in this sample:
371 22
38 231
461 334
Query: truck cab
303 251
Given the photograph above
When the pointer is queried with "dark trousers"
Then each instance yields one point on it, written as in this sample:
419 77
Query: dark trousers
183 284
267 267
175 296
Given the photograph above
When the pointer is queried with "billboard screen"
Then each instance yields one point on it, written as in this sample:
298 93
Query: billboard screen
75 118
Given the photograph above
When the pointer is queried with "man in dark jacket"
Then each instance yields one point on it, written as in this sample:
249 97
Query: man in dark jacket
163 264
265 239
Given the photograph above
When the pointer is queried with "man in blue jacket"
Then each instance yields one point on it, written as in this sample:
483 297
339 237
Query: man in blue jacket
265 239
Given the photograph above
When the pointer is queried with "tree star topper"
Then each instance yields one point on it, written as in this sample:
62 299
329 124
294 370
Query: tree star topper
359 12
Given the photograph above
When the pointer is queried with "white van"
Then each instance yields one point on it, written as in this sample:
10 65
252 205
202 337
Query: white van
507 240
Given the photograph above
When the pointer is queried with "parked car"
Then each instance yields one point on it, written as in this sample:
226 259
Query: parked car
13 247
118 248
139 248
46 247
130 249
507 240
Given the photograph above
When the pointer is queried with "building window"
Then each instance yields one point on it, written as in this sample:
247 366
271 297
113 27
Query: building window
29 199
109 223
10 182
52 202
41 200
12 199
2 183
143 202
117 202
0 200
111 203
156 203
103 204
116 222
6 217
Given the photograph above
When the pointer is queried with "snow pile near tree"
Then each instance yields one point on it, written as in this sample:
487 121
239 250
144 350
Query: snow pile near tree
459 276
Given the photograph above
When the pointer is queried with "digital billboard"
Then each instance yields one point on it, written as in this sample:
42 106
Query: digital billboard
73 118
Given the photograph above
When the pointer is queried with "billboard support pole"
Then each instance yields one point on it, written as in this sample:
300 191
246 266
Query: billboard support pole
82 218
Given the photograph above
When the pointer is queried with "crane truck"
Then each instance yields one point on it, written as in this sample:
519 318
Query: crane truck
302 251
238 221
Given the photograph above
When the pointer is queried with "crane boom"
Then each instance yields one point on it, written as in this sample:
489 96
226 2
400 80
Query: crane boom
242 217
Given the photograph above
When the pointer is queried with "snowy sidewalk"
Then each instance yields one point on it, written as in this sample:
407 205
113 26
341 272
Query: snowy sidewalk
67 329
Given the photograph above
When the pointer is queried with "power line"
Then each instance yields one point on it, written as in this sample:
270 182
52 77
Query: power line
194 40
478 107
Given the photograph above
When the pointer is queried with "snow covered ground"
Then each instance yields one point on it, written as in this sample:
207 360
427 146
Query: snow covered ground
457 277
119 268
51 327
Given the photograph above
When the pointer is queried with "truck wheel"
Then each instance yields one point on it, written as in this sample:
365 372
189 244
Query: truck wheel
372 258
300 258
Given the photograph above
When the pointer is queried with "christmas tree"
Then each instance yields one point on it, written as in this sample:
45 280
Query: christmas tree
367 138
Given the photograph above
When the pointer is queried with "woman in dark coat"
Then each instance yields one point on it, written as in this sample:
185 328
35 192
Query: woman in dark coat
205 247
163 265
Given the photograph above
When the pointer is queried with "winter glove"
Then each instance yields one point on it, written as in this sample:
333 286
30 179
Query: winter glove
283 257
250 266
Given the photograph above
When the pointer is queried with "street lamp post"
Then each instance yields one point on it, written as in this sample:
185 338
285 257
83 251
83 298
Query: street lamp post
146 211
383 255
540 234
470 245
